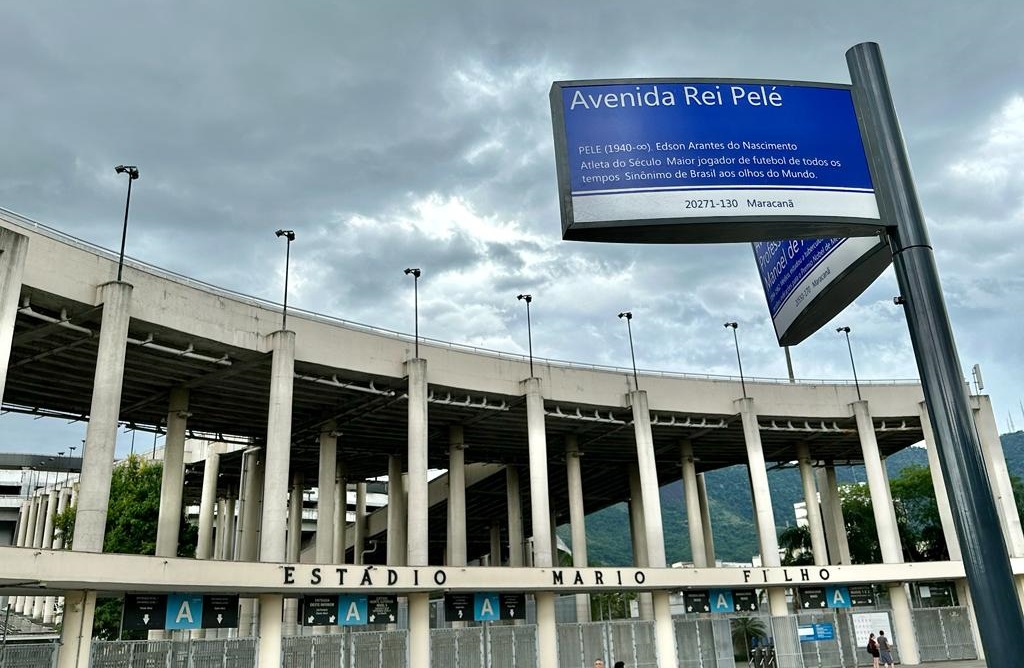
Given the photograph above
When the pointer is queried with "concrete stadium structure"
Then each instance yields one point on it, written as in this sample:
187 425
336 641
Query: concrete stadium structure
329 403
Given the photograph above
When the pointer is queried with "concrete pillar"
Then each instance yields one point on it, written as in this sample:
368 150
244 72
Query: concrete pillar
764 515
694 522
51 512
248 539
22 541
23 604
456 496
418 535
416 507
326 508
832 510
293 547
878 485
359 540
340 520
638 537
227 528
76 632
888 533
705 520
995 465
577 519
208 502
540 507
514 502
278 452
494 556
101 433
62 504
270 633
397 517
13 249
814 523
169 522
648 470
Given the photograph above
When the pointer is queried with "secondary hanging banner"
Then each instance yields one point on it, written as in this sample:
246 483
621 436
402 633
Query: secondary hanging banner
698 161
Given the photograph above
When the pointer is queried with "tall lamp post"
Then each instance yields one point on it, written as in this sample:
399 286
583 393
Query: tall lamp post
739 361
289 235
133 173
628 315
529 327
415 272
846 330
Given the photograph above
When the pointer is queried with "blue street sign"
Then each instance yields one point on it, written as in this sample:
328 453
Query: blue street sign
486 607
721 600
816 632
837 597
352 610
676 160
184 611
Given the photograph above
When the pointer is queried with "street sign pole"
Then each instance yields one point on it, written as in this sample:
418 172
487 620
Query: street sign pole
986 561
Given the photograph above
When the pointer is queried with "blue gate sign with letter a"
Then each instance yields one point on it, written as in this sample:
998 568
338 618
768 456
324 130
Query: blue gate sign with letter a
351 610
184 611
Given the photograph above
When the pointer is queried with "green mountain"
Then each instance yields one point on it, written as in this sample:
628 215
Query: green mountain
732 512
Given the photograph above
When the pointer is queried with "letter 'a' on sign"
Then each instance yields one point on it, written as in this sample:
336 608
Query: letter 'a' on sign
699 161
807 282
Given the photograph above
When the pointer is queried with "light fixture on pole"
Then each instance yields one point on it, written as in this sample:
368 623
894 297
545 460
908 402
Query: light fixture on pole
846 330
628 315
289 235
529 327
71 455
415 271
739 361
133 173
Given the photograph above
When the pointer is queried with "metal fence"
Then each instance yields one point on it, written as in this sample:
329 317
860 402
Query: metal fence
702 642
28 655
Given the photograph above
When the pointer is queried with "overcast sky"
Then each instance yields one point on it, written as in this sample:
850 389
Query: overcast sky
393 134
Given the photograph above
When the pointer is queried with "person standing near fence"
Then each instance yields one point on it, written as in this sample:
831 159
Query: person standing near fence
598 663
884 650
873 650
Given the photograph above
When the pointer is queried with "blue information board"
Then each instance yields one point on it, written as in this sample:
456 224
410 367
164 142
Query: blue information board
816 632
700 161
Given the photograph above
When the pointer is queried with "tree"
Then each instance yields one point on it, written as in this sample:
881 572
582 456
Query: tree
917 515
132 516
743 629
861 532
796 541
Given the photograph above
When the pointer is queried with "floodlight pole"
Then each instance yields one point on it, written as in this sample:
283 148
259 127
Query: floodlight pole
628 315
856 383
985 557
133 173
529 327
739 360
415 272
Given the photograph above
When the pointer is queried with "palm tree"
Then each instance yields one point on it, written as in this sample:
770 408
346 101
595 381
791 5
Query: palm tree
796 541
743 629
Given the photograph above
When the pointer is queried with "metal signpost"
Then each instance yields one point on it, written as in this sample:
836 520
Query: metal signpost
706 161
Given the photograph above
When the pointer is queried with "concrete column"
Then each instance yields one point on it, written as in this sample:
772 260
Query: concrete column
208 502
814 524
62 504
227 528
764 515
649 487
359 541
638 536
694 522
664 631
456 496
540 514
577 519
270 629
832 509
878 485
101 434
416 507
40 524
23 604
278 453
248 541
514 502
13 249
22 541
494 556
76 632
397 517
705 520
51 512
903 624
326 509
538 452
293 547
169 522
418 535
995 465
340 522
